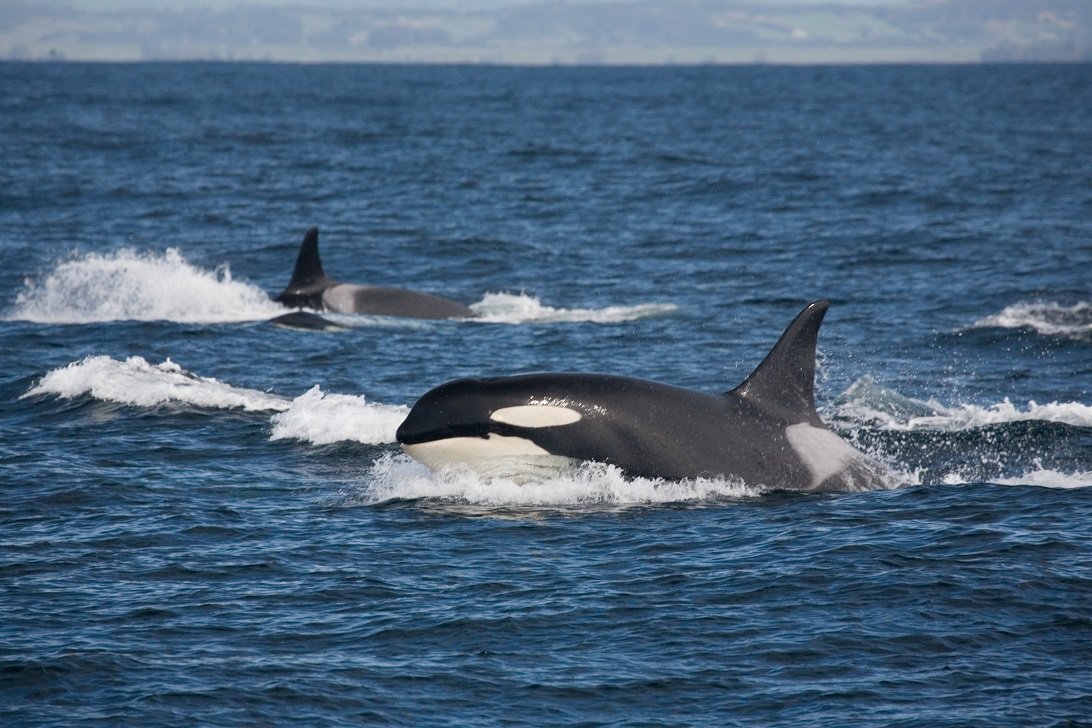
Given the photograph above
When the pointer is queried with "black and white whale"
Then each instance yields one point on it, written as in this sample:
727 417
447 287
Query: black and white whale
765 432
311 288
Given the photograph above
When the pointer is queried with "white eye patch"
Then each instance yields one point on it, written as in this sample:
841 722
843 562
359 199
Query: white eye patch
536 415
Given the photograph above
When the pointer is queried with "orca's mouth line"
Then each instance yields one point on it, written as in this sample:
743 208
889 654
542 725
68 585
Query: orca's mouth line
480 430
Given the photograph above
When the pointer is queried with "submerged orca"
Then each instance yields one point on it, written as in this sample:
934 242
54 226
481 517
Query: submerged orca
766 431
311 288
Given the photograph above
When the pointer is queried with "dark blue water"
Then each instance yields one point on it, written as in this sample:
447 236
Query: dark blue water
204 519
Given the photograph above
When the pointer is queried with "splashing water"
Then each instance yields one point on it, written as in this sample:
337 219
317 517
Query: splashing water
312 417
397 477
323 419
134 286
138 383
1044 317
508 308
1043 477
966 443
867 402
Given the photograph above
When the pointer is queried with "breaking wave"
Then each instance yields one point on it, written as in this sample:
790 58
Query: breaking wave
508 308
932 443
867 402
132 286
1044 317
313 417
397 477
136 382
1050 478
323 419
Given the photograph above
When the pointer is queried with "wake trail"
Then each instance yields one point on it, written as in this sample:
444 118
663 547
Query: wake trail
139 286
1047 318
869 403
313 417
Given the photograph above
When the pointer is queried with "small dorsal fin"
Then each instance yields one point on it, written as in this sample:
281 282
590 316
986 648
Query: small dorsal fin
785 380
308 268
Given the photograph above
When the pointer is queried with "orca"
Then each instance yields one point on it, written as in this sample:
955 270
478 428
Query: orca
311 288
765 432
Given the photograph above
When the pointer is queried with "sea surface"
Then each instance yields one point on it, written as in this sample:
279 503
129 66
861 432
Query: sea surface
205 520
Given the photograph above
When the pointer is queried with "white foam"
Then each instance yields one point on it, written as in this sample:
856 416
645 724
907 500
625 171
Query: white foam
968 416
322 419
396 476
138 383
1036 475
508 308
312 417
867 402
130 285
1049 478
874 406
1044 317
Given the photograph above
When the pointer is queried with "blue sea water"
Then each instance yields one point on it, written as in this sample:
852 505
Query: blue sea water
204 519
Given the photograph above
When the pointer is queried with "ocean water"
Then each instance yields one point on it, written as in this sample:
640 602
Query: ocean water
204 519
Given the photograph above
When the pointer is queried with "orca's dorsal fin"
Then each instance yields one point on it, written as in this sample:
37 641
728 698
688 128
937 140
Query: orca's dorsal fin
308 268
785 380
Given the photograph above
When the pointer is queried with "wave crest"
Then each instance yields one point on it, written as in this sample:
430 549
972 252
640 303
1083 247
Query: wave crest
314 417
508 308
1044 477
1044 317
132 286
867 402
136 382
398 477
323 419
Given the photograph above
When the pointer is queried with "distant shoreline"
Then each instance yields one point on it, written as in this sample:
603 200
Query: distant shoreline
574 65
549 32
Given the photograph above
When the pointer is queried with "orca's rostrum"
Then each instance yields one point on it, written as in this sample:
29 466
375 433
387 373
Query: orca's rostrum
765 432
